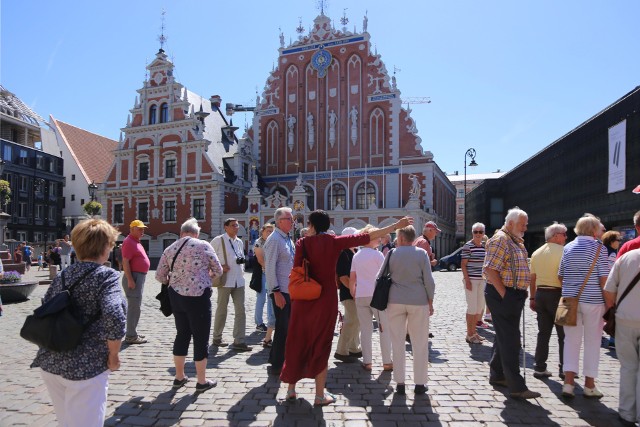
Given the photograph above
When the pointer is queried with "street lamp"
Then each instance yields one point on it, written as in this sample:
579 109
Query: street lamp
470 153
92 190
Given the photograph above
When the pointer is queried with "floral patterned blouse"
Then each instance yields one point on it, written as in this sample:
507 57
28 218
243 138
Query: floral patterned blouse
99 292
190 275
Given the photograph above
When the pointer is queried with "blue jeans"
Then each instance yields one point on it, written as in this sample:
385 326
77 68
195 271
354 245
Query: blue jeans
261 299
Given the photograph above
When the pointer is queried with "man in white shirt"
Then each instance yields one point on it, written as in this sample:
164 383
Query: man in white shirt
233 260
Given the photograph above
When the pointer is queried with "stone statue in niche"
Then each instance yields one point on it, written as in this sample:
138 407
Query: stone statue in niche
353 115
414 193
291 122
332 127
310 130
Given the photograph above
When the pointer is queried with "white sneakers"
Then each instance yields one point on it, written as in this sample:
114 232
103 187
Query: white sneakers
568 391
592 392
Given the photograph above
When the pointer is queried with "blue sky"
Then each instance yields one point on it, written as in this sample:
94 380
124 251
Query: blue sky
506 77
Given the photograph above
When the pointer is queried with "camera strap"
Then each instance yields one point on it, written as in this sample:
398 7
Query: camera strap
234 250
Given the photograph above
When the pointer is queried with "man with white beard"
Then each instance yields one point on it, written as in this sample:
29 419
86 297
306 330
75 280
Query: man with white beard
508 277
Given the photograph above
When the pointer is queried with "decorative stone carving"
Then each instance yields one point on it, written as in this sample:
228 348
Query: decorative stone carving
291 123
353 115
332 127
414 192
310 130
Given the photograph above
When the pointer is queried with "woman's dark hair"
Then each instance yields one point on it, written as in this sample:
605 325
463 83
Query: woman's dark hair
320 220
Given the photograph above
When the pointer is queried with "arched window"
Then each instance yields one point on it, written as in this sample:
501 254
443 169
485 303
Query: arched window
153 113
310 197
337 196
164 113
365 197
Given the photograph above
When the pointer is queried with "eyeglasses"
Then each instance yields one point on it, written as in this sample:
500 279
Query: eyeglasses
478 232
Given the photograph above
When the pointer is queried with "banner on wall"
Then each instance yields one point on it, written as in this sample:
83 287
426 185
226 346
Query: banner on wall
617 156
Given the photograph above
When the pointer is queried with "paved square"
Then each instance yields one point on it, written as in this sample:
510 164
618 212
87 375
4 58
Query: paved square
459 394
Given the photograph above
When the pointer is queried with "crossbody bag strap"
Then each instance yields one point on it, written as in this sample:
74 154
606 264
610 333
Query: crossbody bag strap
385 270
593 264
631 285
176 255
64 288
224 249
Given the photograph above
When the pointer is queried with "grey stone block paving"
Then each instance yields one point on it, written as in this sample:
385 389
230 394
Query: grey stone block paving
459 394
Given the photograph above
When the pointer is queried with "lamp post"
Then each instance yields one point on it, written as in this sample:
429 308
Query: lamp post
4 217
92 190
470 153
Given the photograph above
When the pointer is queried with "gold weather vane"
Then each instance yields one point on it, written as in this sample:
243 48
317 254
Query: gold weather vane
162 38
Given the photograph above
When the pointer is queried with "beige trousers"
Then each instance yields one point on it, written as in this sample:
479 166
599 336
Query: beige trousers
415 319
349 341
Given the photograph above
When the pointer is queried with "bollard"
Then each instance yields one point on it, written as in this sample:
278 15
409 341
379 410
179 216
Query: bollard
53 271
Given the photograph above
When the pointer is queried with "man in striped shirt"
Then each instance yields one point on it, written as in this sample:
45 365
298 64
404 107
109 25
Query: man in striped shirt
507 273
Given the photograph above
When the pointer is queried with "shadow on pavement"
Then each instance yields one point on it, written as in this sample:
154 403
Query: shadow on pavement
172 410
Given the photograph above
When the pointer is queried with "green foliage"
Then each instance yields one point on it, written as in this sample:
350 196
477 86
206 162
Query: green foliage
92 208
5 192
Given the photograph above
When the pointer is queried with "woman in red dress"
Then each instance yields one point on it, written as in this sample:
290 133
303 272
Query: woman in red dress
313 322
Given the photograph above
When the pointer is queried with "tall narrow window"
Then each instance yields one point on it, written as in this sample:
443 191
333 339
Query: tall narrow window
337 196
198 209
144 171
170 168
153 113
118 214
170 210
143 211
311 199
365 197
164 113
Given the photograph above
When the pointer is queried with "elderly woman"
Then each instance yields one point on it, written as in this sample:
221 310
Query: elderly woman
77 380
261 298
577 258
472 259
611 240
188 266
364 268
410 305
313 322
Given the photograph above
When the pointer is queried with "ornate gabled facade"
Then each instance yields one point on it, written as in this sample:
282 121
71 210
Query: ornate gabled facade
177 157
331 133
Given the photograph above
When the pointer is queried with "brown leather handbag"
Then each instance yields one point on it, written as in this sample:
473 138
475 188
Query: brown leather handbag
567 312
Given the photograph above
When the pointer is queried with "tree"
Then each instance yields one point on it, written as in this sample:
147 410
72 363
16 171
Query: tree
5 193
92 208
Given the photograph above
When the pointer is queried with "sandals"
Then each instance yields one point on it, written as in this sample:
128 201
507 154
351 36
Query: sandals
387 367
473 339
366 367
326 399
291 396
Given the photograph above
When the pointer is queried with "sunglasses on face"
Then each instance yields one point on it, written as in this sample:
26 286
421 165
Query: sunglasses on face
478 232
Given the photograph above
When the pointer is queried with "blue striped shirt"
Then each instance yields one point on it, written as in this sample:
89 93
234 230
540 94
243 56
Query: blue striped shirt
577 257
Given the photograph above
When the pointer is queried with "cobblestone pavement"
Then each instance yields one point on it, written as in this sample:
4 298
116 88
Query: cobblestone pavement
459 394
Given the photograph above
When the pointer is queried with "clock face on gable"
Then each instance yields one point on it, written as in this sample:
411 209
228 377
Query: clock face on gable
157 77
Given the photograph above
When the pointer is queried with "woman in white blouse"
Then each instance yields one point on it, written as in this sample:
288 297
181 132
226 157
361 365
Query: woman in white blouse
362 281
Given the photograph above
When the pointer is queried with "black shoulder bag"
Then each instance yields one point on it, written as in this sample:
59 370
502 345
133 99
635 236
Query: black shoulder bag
380 297
56 325
610 315
163 296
